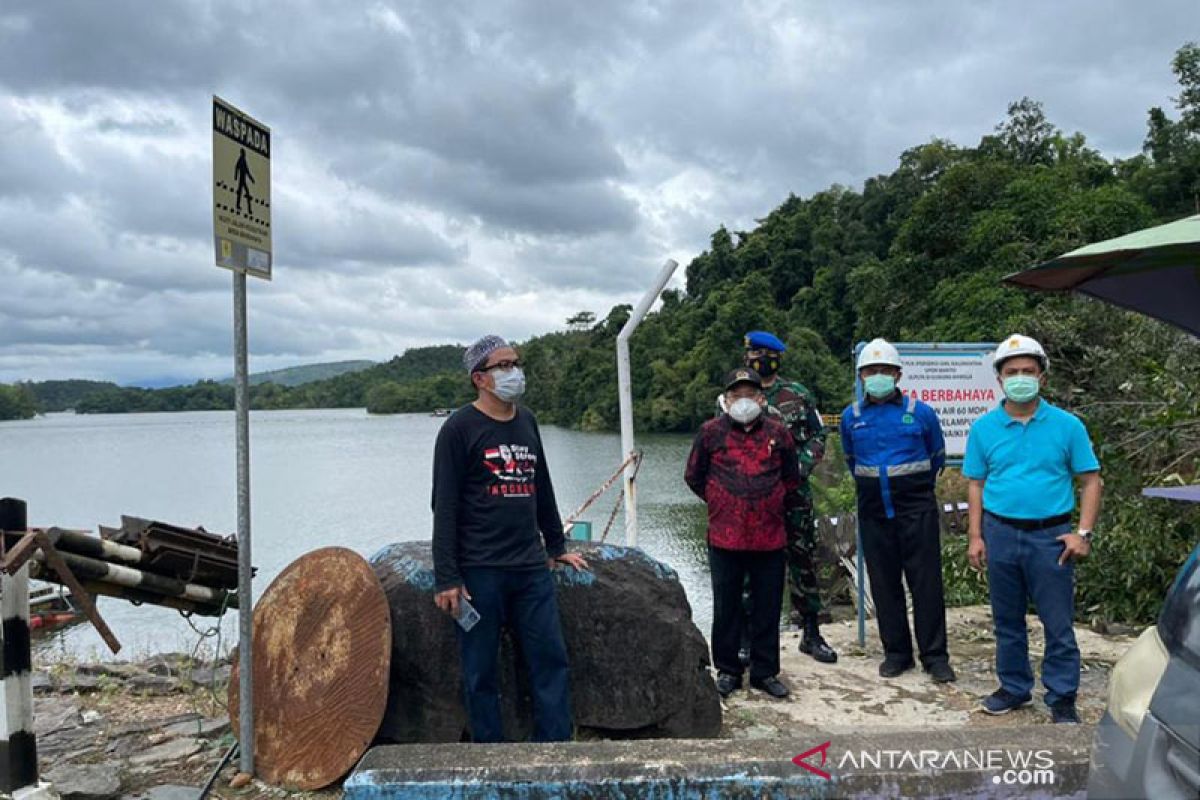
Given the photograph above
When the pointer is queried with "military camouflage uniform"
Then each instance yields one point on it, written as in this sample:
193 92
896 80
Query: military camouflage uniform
797 407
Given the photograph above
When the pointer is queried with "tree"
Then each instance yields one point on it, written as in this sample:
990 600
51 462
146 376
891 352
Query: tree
1026 136
581 321
1160 140
1186 66
16 402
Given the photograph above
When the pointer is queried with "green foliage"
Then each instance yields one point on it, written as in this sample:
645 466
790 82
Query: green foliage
17 402
962 584
1186 66
1138 549
447 390
833 486
55 396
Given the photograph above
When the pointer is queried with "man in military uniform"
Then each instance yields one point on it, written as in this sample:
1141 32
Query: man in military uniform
797 408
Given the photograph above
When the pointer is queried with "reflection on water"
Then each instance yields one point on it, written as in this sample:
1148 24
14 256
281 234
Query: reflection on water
320 478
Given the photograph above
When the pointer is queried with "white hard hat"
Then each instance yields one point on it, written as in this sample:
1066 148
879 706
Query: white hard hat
1018 345
878 351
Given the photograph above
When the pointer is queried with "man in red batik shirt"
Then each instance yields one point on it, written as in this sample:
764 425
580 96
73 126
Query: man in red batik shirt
743 465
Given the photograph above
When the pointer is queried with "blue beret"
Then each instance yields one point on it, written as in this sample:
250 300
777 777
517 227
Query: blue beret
765 341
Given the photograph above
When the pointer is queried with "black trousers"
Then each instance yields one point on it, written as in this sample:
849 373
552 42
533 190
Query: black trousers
764 571
908 545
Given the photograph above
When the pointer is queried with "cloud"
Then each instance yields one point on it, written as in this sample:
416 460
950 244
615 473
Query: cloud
444 169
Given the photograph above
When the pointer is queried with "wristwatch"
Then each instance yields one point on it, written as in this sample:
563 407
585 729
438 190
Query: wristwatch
1086 533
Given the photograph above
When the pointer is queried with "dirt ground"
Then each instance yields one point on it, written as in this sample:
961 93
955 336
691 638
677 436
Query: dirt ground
129 729
850 696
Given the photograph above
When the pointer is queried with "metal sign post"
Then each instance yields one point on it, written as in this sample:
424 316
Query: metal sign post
625 393
242 240
956 380
245 581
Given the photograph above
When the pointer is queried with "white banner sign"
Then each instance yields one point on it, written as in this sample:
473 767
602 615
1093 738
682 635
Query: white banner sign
958 382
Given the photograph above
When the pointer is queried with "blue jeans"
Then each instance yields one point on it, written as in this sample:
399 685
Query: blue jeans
525 600
1023 565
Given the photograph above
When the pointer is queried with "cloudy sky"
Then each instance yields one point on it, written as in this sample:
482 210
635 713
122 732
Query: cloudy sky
443 169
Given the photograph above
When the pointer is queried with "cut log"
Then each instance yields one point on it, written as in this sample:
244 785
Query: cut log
322 644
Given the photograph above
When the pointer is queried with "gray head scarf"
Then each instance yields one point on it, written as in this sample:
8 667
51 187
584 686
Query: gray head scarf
478 353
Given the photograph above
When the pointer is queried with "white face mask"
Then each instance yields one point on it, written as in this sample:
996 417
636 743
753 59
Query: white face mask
745 410
509 384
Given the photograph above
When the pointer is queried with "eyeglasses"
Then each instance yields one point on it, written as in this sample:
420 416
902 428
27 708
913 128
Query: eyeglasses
504 365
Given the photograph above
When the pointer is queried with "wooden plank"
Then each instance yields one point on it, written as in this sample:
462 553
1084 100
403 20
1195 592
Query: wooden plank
322 648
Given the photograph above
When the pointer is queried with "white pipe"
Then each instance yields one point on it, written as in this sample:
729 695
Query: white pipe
625 393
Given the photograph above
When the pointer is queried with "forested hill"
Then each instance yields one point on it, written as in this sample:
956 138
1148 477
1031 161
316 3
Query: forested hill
308 373
347 390
916 254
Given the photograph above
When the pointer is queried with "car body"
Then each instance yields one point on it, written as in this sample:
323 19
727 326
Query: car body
1148 742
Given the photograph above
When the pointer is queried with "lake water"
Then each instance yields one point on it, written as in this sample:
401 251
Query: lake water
319 478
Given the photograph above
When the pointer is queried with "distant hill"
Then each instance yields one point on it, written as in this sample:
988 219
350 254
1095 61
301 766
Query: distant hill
308 373
432 374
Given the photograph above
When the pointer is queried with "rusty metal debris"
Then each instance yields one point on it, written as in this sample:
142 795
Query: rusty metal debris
189 554
143 561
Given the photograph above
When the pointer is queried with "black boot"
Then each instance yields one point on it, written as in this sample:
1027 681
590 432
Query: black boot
814 644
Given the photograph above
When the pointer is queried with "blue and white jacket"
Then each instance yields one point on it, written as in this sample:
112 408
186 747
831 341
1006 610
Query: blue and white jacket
895 450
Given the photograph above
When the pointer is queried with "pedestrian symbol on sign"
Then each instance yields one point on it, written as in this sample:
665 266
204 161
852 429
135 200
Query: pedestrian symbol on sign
241 173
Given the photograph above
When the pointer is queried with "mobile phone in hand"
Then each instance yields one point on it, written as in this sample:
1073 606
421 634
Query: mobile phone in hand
467 615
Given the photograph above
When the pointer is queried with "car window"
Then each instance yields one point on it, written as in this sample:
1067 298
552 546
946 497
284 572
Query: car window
1179 622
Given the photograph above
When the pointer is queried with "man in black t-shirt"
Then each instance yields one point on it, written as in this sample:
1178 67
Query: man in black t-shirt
493 503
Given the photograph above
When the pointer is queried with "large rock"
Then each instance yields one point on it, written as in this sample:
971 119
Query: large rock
639 665
86 781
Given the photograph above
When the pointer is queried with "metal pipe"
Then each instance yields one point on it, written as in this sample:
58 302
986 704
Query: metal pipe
245 565
858 551
861 585
151 598
212 779
93 569
68 541
625 392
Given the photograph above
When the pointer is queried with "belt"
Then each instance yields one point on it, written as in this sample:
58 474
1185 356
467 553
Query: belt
1032 524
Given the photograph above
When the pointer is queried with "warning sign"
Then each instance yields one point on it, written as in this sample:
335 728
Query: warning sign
958 382
241 191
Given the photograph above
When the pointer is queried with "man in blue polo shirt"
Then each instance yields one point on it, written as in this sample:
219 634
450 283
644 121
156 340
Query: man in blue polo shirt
1022 459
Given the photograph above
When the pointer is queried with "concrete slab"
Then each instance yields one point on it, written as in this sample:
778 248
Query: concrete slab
1041 761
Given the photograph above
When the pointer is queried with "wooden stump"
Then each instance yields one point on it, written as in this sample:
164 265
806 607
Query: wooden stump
322 646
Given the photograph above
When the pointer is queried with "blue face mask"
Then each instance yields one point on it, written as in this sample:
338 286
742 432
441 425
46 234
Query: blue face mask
1021 388
879 385
509 384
